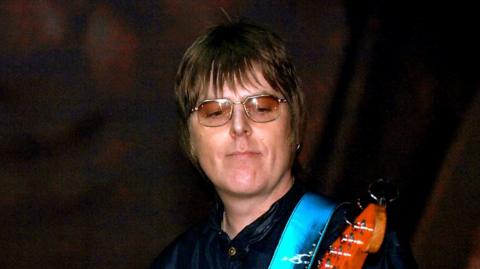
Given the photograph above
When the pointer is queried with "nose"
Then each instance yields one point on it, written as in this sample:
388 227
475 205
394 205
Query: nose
240 125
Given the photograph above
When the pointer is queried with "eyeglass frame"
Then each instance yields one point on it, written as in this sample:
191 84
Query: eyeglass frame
242 102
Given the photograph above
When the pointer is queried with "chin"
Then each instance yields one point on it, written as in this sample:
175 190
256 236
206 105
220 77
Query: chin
241 192
243 186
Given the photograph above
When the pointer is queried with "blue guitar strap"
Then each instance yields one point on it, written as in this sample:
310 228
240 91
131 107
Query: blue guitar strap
303 233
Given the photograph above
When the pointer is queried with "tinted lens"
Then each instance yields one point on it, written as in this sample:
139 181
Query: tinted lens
214 113
262 108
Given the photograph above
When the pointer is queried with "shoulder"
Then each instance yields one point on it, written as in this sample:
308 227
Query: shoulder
173 256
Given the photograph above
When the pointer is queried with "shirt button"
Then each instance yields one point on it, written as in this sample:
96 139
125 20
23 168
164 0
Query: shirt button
232 251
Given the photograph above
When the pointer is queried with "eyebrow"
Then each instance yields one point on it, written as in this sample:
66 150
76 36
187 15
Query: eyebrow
275 94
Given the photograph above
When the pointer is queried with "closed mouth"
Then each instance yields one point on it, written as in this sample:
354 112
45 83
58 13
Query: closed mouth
243 154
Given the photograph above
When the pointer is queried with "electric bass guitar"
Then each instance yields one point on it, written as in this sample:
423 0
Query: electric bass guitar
365 234
361 237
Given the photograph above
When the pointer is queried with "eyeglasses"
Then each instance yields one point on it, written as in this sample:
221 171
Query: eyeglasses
258 108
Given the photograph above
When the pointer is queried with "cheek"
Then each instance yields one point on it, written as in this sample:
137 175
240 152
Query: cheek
202 144
283 144
278 141
199 145
283 140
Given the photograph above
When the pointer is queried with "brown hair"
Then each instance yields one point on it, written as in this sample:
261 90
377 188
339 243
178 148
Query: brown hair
227 55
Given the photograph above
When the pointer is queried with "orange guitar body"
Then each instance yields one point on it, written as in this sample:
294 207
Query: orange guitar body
363 236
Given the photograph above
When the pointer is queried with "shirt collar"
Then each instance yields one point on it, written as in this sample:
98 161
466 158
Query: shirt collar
261 226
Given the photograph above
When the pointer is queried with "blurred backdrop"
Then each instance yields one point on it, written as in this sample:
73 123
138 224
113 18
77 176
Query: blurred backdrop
91 174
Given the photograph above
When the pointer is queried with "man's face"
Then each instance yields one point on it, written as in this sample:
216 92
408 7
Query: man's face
244 158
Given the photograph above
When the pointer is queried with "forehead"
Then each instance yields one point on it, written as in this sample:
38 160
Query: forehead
240 85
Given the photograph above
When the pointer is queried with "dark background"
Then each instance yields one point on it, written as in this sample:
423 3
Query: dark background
91 174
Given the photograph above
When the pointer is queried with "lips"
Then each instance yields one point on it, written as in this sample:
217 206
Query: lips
244 154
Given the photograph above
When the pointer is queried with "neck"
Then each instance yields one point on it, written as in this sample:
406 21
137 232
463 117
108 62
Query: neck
240 211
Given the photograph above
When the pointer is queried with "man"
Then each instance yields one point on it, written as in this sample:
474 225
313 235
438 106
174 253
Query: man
242 116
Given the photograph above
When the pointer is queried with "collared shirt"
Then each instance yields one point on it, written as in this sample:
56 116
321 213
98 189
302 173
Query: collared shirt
207 246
